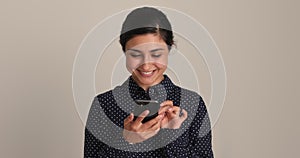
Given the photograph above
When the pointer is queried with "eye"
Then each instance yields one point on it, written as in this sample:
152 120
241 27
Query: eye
135 55
156 55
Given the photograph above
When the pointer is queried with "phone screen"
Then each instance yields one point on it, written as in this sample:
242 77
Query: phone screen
142 105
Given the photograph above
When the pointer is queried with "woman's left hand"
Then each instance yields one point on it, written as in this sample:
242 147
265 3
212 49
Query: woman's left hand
172 118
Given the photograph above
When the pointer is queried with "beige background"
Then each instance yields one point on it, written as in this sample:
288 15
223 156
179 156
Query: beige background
258 39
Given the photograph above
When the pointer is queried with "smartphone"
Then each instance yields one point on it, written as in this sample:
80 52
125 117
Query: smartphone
142 105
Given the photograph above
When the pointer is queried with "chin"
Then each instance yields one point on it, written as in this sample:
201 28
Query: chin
149 81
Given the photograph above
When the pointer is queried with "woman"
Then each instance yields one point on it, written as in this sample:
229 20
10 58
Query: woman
181 127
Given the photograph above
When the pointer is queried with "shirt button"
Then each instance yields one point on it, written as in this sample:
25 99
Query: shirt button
151 91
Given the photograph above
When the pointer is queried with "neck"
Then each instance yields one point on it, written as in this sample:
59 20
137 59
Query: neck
147 86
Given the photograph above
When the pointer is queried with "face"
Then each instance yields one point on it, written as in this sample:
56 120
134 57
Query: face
147 59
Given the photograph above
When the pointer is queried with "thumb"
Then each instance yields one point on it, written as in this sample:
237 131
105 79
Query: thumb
128 119
184 114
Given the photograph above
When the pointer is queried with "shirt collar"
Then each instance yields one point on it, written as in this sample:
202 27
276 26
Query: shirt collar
158 91
166 84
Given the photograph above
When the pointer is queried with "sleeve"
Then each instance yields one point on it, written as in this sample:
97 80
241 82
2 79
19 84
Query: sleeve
103 138
200 134
192 140
91 143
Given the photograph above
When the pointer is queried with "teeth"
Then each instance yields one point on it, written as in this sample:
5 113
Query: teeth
147 73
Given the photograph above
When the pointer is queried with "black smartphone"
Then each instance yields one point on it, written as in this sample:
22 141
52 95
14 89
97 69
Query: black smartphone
142 105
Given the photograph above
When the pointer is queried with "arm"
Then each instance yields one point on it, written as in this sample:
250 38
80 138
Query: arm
200 134
91 143
192 139
101 135
103 138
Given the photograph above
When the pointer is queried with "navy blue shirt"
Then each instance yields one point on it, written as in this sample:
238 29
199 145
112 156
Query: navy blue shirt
104 127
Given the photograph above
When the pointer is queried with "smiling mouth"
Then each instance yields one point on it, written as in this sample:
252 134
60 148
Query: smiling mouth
146 73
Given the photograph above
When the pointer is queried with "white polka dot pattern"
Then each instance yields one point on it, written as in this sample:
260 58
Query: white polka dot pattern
103 132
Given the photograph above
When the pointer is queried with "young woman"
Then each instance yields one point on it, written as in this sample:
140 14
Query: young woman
181 126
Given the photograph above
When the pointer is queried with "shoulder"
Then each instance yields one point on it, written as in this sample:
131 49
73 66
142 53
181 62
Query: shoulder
104 96
188 94
110 95
191 101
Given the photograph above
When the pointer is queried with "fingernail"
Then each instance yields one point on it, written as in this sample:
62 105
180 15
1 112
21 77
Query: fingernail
146 112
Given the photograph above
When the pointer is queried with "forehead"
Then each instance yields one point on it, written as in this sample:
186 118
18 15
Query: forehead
146 42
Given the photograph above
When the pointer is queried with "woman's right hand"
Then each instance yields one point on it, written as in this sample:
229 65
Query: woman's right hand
135 131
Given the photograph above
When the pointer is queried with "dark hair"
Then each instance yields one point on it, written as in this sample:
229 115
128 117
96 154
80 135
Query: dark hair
143 21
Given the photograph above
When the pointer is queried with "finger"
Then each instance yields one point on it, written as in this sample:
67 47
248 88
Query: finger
141 117
167 102
128 119
156 126
184 114
152 122
164 109
152 133
173 112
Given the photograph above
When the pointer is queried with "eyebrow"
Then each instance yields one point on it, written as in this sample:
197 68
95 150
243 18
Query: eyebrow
135 50
157 49
152 51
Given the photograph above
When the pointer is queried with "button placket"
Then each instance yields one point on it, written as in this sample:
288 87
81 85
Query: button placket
152 93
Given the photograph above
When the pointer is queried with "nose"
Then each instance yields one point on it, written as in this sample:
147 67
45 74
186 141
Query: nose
146 59
146 66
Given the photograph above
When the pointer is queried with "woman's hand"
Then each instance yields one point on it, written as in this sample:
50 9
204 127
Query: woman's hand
172 118
136 131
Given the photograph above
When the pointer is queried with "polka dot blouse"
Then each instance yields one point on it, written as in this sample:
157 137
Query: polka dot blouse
104 127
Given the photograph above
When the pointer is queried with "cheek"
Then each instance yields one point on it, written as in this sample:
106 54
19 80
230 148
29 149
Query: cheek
161 66
131 64
162 62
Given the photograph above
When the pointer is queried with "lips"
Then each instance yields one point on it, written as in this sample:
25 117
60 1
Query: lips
146 73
